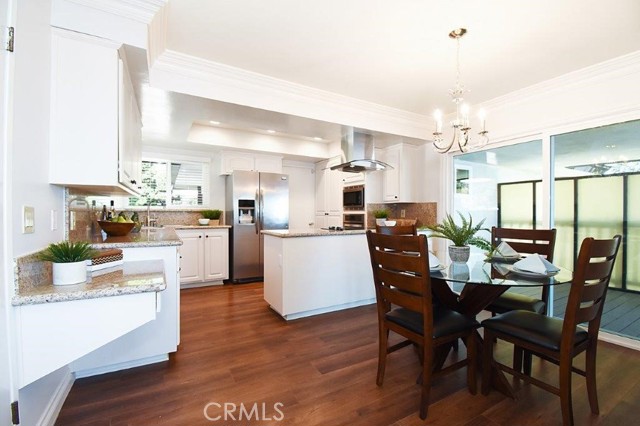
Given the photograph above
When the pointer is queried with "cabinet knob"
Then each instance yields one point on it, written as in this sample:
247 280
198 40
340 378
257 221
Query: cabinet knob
180 257
133 182
206 236
199 236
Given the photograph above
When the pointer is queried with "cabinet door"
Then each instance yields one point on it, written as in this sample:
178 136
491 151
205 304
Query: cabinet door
130 134
321 221
191 256
391 179
321 183
334 191
236 161
334 220
216 255
268 163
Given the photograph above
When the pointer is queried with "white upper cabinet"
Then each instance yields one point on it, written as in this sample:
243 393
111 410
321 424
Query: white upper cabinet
95 121
398 184
233 160
329 184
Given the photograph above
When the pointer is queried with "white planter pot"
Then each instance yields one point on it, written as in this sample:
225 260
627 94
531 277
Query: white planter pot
459 254
203 221
380 222
69 273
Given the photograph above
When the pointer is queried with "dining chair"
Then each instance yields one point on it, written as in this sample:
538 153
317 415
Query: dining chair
397 230
400 267
560 340
524 241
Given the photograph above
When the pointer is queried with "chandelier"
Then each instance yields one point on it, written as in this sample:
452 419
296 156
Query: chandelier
461 127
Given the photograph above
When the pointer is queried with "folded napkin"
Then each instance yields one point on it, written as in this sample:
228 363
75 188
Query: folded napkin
433 261
505 250
536 263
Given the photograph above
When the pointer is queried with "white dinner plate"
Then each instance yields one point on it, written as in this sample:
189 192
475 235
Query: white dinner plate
532 274
437 268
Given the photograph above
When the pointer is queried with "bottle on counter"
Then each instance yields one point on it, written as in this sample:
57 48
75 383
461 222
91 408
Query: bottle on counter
112 212
105 215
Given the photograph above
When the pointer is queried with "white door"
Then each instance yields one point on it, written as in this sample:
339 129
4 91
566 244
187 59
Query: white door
8 389
216 260
191 256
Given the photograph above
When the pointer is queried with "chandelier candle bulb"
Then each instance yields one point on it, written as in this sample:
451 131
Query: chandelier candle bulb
437 115
482 115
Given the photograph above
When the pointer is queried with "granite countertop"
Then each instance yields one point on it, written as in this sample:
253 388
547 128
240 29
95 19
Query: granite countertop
147 237
294 233
128 278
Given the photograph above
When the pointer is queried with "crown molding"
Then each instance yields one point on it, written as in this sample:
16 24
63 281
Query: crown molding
157 35
176 71
138 10
607 70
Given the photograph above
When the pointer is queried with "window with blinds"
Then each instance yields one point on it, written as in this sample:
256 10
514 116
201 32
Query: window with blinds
173 184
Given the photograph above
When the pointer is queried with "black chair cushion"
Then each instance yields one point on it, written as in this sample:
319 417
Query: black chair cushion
445 321
534 328
513 302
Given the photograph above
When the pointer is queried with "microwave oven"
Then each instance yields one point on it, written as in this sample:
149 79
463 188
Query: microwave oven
353 197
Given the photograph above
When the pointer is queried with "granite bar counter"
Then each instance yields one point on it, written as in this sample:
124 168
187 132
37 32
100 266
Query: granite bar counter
129 278
309 272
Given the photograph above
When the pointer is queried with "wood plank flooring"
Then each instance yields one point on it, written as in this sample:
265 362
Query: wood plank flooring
322 370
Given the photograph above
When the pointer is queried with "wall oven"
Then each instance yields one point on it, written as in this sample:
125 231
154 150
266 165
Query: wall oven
353 197
353 221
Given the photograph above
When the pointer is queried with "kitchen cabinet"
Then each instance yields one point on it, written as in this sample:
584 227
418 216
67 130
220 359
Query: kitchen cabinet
329 185
398 184
95 139
232 160
204 256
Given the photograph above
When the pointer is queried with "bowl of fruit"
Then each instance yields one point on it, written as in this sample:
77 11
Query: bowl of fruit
117 227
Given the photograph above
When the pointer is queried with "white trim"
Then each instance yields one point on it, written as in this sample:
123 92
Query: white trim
183 73
138 10
299 164
74 35
619 340
613 68
121 366
157 35
59 395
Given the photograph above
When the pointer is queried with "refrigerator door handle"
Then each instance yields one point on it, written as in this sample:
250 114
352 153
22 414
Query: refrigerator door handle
261 209
257 212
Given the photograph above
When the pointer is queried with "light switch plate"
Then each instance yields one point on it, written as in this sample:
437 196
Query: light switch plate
28 220
54 220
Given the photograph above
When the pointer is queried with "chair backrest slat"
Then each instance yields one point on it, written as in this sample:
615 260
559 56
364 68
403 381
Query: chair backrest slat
589 287
527 241
399 298
403 281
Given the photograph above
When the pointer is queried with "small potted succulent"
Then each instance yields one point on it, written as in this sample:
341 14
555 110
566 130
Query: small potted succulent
381 216
462 236
211 217
69 261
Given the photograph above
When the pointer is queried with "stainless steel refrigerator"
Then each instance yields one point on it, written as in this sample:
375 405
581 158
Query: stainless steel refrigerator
254 202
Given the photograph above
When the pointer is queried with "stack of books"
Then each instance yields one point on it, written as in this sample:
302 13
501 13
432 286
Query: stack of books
105 259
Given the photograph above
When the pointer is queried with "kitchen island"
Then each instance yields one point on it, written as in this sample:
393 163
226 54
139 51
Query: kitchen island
310 272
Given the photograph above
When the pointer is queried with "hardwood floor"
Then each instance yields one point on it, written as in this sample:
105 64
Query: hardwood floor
322 370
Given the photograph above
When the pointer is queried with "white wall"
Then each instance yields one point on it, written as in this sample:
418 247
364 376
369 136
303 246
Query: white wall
27 167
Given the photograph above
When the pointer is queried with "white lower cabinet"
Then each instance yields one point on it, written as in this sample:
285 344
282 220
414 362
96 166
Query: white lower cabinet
204 256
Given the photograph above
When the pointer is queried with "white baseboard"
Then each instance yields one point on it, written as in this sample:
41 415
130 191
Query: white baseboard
50 415
121 366
203 284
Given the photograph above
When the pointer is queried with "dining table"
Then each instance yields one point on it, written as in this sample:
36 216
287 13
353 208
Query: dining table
470 287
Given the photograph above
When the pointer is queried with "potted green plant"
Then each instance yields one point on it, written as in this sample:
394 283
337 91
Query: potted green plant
462 236
212 217
69 261
381 215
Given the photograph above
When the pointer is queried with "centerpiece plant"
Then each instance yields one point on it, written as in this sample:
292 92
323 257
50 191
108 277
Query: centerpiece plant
381 215
212 215
462 236
69 261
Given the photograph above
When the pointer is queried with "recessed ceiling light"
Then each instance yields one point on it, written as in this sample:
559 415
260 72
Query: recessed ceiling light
271 131
215 123
317 138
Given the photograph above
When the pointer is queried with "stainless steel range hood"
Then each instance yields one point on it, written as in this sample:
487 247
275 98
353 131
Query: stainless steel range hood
358 153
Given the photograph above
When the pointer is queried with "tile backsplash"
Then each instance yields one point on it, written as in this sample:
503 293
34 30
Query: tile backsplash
422 213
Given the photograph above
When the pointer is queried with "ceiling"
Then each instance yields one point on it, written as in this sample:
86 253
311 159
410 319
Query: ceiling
396 54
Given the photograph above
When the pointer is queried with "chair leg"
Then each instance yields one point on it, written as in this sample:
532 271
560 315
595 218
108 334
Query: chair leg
383 339
527 359
426 382
517 358
472 354
591 378
565 393
487 358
